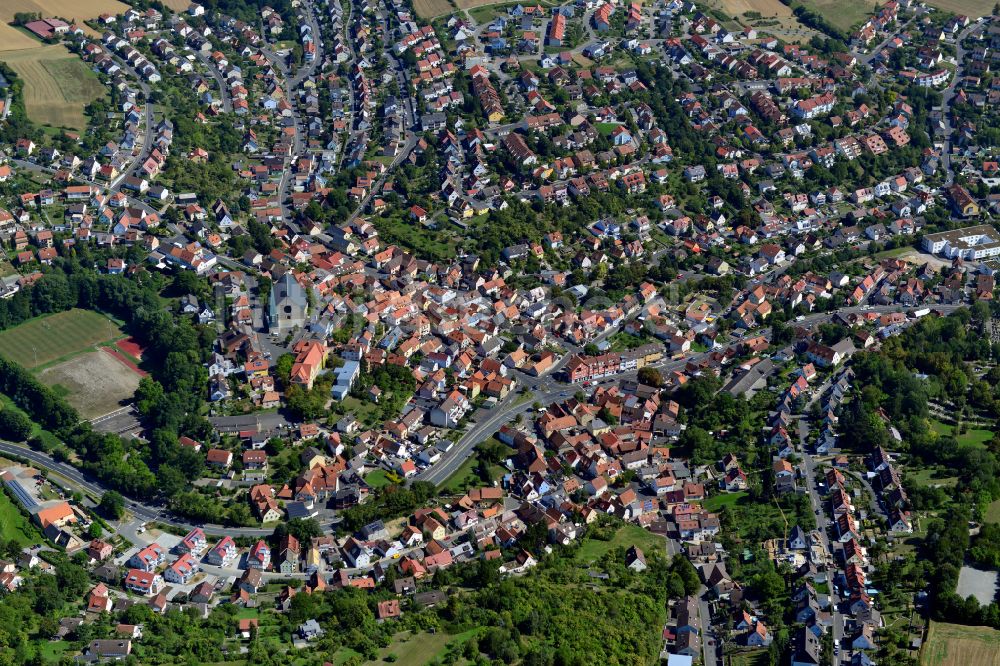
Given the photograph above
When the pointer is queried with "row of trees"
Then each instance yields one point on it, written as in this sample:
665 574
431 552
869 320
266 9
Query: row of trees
945 351
168 400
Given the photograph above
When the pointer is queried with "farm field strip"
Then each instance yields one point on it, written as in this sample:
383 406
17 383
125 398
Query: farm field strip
12 39
432 8
57 84
958 645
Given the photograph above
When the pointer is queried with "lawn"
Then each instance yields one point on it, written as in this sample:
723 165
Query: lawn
379 478
628 535
749 658
843 15
971 437
958 645
422 240
972 8
14 526
993 512
53 651
365 411
465 476
461 479
606 128
931 476
486 13
247 613
45 339
622 341
57 85
716 503
421 648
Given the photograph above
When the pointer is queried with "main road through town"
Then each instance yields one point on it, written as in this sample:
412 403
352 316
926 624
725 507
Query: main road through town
542 390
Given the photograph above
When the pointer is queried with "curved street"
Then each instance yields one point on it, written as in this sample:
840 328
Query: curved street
542 389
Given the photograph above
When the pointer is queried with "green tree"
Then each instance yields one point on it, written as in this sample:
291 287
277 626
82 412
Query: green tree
112 504
14 425
650 376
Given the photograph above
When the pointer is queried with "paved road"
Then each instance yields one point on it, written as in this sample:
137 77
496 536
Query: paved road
709 649
545 390
224 96
947 95
292 83
78 480
549 388
147 118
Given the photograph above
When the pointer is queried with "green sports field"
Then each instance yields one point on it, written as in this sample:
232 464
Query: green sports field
42 340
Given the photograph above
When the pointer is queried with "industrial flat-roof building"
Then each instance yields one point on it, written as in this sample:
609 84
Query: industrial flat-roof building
978 242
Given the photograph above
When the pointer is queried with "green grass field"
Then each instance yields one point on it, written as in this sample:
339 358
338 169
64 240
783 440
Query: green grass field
971 437
379 478
607 128
718 502
53 651
933 477
843 15
40 341
14 526
748 658
993 512
465 476
421 648
628 535
412 235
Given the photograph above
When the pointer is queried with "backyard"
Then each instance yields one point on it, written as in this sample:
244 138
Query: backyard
716 503
629 535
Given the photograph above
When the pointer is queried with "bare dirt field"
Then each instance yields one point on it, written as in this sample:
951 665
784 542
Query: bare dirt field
432 8
957 645
95 383
57 84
